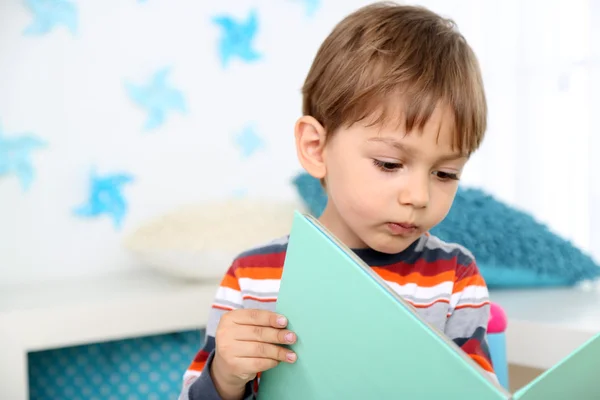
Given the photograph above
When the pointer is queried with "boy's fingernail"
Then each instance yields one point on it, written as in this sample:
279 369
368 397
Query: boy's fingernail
289 337
281 321
291 357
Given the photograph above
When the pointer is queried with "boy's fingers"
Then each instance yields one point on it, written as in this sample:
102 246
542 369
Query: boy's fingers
266 350
267 334
260 318
255 365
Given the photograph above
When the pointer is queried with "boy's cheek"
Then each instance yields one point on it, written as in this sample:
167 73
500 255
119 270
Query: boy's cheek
440 207
364 203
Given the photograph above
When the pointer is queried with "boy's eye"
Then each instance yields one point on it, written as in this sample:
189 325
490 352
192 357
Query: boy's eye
446 176
387 166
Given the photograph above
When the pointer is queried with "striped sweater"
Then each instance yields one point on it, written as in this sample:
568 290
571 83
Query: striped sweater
439 279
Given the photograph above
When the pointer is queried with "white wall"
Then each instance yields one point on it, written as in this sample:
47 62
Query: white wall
69 91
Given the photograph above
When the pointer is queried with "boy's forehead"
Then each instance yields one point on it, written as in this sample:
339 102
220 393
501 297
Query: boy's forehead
438 131
418 146
394 112
394 120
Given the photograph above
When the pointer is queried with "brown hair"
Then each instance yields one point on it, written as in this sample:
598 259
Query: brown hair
385 52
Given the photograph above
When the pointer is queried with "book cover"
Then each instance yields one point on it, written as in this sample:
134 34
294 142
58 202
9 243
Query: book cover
357 339
575 377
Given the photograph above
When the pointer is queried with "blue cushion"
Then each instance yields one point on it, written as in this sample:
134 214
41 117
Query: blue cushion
311 192
142 368
512 249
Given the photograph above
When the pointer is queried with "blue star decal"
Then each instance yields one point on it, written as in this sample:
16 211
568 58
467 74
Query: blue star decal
237 37
106 197
15 157
248 141
311 6
157 98
48 14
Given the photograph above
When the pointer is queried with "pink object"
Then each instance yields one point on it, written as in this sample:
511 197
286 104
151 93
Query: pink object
498 320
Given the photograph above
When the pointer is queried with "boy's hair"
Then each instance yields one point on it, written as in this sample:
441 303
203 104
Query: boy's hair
388 55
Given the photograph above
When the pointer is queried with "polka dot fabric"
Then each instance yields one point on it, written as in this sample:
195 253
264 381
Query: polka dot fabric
144 368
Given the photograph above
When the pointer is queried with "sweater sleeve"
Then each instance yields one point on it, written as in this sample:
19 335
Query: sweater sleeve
197 380
469 315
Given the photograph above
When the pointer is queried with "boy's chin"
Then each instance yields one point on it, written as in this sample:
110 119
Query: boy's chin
391 244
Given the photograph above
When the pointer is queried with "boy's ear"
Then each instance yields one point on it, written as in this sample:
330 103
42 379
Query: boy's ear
310 145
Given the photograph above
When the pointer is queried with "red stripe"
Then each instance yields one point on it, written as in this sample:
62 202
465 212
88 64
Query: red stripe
429 304
255 384
218 307
262 300
270 260
473 348
466 271
422 267
201 356
470 305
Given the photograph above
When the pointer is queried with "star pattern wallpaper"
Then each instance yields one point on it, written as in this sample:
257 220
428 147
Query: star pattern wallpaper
50 14
106 197
157 98
237 37
115 112
16 156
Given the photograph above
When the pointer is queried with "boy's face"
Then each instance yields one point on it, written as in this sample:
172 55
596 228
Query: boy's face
385 188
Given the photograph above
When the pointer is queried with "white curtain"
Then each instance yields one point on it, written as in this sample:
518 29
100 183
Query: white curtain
540 62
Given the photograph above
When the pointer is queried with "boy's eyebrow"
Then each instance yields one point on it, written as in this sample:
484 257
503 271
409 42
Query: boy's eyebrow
402 147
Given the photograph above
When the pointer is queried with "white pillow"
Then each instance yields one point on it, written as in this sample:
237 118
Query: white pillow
199 241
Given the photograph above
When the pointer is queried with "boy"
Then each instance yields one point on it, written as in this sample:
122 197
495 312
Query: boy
393 106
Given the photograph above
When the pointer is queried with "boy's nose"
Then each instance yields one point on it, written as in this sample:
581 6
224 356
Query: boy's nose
415 193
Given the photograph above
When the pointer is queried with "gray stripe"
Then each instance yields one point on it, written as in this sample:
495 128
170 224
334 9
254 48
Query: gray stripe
434 315
420 300
469 301
228 303
422 243
270 306
273 246
259 294
475 300
434 243
214 316
281 240
463 322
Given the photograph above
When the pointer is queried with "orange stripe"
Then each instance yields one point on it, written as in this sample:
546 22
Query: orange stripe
197 366
262 300
258 272
475 280
219 307
230 282
429 304
415 277
471 305
482 362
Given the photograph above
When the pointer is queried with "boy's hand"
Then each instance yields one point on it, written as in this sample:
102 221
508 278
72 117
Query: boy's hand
246 344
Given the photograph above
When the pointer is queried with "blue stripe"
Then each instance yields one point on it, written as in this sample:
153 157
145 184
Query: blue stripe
269 248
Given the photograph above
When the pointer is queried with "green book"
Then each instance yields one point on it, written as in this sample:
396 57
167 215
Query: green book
357 339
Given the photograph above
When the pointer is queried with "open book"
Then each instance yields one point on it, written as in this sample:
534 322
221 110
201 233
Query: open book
357 339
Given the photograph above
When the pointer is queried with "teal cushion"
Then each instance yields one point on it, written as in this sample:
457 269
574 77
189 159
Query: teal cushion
142 368
311 192
512 249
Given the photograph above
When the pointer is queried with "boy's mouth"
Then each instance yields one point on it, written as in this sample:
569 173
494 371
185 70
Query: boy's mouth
402 228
